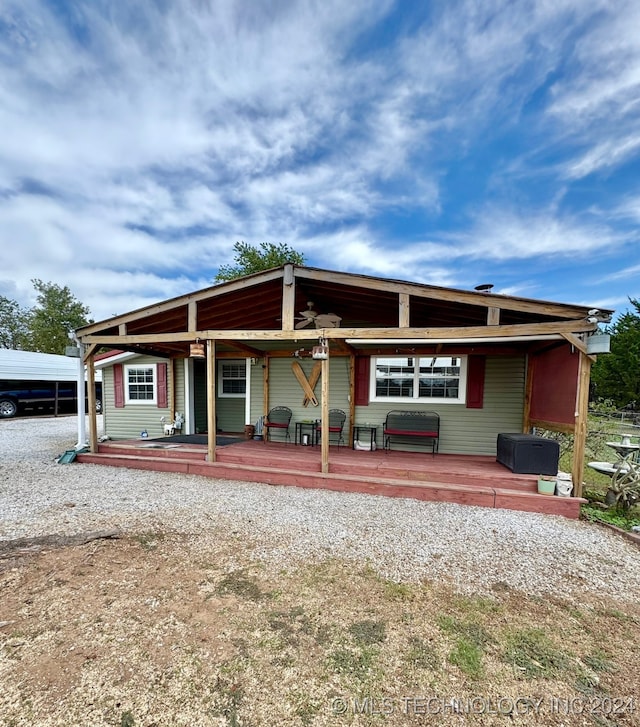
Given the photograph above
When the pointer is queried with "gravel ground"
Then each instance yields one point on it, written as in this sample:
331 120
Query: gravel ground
476 549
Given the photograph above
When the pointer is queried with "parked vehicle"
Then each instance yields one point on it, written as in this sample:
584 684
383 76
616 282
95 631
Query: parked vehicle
33 383
39 397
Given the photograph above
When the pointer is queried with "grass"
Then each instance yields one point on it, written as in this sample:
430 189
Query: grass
533 654
279 646
600 431
623 520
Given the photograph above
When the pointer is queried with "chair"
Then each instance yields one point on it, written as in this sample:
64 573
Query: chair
337 419
278 418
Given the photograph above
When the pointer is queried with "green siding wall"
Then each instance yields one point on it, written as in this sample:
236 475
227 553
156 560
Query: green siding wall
285 390
462 430
470 431
129 421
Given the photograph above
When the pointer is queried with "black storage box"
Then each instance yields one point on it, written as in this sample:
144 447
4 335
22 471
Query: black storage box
528 454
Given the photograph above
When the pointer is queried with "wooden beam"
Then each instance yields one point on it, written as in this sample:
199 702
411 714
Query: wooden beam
172 388
122 329
493 316
265 388
552 426
578 343
581 423
462 332
528 393
403 310
325 415
89 351
184 300
352 396
192 315
486 300
211 401
343 348
288 297
91 405
253 352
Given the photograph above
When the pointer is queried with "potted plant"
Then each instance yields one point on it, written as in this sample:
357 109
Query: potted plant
546 485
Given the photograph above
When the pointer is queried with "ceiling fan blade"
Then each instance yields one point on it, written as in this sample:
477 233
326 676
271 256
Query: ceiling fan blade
304 323
327 320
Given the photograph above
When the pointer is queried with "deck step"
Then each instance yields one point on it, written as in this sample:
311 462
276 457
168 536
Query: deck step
479 495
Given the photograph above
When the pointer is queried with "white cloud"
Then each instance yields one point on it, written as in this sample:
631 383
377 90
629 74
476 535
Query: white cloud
140 147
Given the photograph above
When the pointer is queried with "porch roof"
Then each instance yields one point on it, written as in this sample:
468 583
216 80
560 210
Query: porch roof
262 313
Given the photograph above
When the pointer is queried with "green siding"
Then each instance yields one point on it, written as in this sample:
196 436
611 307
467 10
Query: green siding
462 430
129 421
284 389
470 431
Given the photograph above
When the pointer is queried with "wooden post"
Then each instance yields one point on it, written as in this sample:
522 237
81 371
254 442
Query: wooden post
265 392
324 422
403 310
211 401
91 404
581 423
288 298
526 413
172 388
352 395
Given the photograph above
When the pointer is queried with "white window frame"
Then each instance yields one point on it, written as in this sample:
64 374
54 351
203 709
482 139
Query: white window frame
416 399
241 364
135 402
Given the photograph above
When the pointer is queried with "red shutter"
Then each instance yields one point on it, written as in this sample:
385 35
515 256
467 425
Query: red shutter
475 381
363 371
162 385
118 386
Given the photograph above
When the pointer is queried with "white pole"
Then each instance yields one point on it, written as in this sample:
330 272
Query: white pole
82 427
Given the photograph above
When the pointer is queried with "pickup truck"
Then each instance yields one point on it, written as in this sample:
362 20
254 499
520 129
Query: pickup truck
41 397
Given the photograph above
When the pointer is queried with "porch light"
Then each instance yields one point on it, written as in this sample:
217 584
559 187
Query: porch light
196 350
321 351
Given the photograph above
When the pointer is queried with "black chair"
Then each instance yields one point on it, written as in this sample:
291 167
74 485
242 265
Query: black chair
337 419
279 419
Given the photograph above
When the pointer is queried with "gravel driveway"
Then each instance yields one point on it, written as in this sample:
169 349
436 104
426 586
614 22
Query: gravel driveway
477 549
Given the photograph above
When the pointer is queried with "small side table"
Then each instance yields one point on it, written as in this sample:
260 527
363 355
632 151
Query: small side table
308 429
369 431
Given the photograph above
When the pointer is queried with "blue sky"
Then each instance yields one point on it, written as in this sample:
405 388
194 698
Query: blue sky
445 142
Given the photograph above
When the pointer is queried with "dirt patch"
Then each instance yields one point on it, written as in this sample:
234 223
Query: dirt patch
163 629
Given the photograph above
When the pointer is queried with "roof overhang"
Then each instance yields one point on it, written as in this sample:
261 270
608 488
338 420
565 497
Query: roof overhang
360 342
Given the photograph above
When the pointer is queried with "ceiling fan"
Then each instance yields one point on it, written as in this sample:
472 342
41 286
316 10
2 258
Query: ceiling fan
320 320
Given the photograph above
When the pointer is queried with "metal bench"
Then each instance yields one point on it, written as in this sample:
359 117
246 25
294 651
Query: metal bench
421 425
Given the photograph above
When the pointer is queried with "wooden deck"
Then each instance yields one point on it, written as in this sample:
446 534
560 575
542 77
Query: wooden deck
465 480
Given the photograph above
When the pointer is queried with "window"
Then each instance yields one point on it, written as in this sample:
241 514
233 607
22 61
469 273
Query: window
232 378
438 379
140 384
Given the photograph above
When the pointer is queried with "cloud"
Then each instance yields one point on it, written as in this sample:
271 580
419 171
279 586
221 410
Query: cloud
433 142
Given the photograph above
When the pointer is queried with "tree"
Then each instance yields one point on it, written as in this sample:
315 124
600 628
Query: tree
55 314
13 324
616 375
250 259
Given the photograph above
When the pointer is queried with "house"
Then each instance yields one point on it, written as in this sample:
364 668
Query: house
486 363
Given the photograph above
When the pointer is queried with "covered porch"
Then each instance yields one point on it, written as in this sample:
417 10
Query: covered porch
460 479
485 363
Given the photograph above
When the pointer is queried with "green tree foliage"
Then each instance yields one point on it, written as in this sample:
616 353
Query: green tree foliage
55 314
616 375
13 324
250 259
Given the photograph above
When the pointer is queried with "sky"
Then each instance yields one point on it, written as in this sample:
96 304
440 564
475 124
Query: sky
448 142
